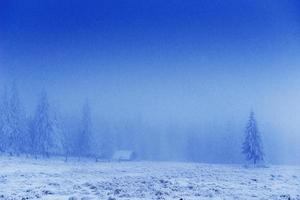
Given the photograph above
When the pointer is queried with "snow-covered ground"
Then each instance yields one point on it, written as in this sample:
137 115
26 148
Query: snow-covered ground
22 178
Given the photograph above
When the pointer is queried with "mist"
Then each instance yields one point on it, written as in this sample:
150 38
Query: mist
157 84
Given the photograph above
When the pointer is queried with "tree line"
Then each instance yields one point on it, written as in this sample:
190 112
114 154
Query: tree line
42 134
45 132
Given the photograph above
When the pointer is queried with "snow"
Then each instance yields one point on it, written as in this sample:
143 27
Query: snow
22 178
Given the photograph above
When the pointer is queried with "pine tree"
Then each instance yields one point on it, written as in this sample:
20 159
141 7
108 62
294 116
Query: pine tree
12 122
67 143
58 133
4 121
42 137
31 140
252 146
17 123
85 133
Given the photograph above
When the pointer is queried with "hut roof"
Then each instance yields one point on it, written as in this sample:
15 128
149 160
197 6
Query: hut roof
123 155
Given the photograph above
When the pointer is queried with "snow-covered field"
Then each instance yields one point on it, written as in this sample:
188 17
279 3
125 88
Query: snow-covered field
22 178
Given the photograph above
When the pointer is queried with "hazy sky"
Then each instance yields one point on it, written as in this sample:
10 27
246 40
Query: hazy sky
186 61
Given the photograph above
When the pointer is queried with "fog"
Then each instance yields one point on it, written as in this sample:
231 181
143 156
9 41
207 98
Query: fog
158 86
168 106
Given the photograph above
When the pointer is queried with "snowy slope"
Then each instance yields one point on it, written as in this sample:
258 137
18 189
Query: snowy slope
22 178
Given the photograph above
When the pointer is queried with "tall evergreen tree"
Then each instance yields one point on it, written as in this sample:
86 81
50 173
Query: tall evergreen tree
252 146
42 137
67 143
58 132
4 121
31 140
85 133
17 139
12 125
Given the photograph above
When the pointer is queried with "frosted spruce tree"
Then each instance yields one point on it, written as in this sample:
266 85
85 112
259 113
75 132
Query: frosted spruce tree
4 121
252 146
13 122
43 130
84 137
58 132
17 123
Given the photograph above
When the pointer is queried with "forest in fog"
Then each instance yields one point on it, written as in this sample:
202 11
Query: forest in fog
47 131
169 81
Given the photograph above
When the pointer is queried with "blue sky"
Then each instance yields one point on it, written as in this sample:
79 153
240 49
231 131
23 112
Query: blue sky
109 35
162 60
